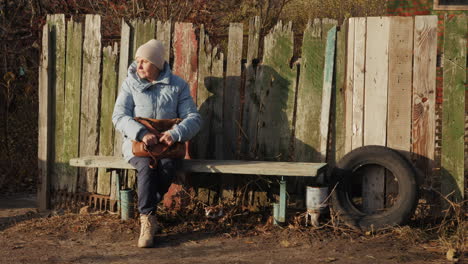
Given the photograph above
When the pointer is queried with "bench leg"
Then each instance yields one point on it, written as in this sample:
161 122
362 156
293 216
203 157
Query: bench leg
282 205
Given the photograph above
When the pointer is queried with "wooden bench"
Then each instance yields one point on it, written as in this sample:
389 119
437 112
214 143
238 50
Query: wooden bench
266 168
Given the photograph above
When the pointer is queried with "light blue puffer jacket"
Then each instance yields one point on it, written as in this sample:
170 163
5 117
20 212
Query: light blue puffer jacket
167 97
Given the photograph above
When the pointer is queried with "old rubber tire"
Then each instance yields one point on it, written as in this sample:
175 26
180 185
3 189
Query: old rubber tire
405 202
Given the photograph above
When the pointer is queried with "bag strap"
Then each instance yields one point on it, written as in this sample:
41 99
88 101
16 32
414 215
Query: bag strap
154 162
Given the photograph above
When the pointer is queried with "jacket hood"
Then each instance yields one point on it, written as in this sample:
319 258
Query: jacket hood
142 84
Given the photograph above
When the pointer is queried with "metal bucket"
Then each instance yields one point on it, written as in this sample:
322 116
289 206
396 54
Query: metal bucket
316 198
127 207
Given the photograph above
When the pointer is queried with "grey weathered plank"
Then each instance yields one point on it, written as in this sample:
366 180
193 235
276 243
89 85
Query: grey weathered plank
306 169
327 91
424 92
125 59
375 105
349 84
164 34
108 96
358 82
89 98
217 85
57 35
202 143
232 110
71 126
278 83
339 134
124 62
453 112
44 128
251 95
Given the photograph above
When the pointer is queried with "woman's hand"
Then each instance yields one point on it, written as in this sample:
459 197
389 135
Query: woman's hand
149 139
166 138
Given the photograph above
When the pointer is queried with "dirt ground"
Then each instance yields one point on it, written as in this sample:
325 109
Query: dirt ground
29 237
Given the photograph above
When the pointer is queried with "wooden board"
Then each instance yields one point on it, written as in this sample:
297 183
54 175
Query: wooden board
349 84
201 143
185 47
327 91
144 30
358 82
278 82
305 169
217 87
124 61
400 53
232 88
424 93
339 132
71 126
375 105
164 34
44 129
57 37
106 129
309 97
251 95
89 98
453 112
400 60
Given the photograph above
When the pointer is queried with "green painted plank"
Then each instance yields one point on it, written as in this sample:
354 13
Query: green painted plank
57 36
309 98
144 30
141 32
70 146
108 96
327 91
339 130
453 107
89 131
278 83
251 94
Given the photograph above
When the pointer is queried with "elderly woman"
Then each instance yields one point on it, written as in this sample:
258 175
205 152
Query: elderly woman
151 90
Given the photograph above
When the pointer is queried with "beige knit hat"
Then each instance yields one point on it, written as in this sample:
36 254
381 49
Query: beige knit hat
153 51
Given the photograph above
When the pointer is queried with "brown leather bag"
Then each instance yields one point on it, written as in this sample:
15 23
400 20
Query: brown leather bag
160 150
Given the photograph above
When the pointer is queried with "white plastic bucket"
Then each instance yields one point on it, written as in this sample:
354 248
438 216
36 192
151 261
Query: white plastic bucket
315 198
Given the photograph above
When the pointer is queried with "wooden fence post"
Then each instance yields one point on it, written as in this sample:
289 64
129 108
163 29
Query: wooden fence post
45 116
453 107
71 126
106 129
89 98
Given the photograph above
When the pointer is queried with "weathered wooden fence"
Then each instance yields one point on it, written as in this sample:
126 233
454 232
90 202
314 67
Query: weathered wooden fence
368 81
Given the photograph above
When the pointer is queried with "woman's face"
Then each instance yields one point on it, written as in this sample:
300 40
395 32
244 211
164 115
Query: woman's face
146 70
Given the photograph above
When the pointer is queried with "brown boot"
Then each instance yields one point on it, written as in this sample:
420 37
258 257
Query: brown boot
147 231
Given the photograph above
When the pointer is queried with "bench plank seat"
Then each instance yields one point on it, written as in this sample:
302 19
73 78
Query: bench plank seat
306 169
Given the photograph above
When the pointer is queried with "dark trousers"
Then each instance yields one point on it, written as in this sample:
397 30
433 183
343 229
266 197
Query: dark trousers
152 183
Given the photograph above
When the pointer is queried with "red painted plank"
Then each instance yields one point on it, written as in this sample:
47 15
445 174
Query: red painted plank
185 55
